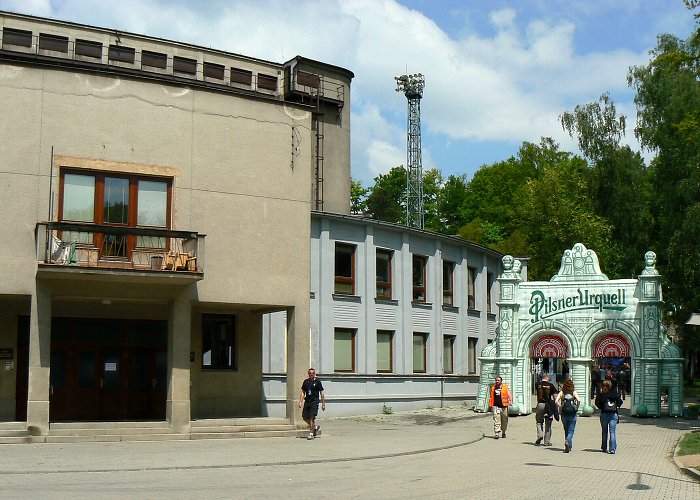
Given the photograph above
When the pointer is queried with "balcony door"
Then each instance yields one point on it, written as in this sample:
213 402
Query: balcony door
117 200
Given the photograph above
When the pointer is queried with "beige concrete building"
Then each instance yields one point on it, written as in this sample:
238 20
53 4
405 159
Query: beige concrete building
157 201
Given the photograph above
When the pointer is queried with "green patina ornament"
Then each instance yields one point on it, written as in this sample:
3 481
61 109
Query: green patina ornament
642 411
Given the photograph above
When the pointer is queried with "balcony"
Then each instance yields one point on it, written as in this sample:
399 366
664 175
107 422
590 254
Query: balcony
100 247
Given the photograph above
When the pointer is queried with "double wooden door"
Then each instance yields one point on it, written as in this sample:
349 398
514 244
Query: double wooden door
108 369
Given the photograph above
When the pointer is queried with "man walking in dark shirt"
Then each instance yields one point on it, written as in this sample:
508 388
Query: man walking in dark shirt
544 413
311 389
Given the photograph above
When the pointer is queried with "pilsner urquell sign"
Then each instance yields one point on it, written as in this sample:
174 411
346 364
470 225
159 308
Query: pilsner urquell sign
545 306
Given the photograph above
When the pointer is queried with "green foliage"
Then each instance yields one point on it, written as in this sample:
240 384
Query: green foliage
387 198
358 197
668 110
690 444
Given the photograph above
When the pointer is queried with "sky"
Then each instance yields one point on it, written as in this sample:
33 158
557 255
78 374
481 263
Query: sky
497 72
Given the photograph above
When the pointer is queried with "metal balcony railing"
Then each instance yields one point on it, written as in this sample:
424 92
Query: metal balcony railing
119 247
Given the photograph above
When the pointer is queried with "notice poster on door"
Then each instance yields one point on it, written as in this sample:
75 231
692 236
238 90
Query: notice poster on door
110 367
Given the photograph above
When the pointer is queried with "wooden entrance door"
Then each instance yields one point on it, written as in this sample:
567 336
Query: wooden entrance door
108 369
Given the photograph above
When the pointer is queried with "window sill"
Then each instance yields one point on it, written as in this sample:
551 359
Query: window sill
474 312
491 316
389 302
448 308
346 297
422 305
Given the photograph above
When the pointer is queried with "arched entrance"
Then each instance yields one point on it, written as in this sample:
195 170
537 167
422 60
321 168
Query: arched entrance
612 360
548 355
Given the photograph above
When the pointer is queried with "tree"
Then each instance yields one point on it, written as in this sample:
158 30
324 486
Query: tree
619 182
358 197
432 188
450 203
387 198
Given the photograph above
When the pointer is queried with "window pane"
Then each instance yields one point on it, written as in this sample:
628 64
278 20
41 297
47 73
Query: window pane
471 277
418 353
218 342
384 351
383 266
343 261
418 276
447 355
343 351
79 198
152 203
471 355
116 200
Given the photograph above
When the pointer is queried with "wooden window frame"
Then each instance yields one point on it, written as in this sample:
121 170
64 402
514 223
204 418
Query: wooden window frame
353 336
448 285
384 285
390 333
230 320
241 76
452 340
132 217
471 288
422 289
424 336
344 280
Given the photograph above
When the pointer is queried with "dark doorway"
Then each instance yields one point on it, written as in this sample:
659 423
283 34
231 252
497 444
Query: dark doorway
22 384
108 369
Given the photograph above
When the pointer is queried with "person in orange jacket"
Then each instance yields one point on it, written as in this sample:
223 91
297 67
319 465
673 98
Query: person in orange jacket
499 402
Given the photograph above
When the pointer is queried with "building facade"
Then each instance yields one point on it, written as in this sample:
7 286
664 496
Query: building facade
157 202
398 317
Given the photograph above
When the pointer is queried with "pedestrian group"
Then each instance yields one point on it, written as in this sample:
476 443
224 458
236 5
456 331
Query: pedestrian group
564 405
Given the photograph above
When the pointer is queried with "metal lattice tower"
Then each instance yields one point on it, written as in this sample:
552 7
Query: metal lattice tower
412 86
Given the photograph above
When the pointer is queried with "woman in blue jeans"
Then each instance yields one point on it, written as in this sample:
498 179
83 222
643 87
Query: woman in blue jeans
608 401
568 402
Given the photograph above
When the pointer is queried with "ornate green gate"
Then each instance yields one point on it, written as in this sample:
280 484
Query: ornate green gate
580 311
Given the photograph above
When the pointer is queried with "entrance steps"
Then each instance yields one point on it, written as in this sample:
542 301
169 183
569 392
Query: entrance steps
82 432
14 433
230 428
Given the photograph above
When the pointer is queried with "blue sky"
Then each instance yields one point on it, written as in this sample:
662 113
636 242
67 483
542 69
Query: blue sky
497 72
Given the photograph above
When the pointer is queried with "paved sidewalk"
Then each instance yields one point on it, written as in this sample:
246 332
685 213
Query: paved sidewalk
441 453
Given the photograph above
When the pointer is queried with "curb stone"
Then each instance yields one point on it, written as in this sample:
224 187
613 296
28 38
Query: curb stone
689 471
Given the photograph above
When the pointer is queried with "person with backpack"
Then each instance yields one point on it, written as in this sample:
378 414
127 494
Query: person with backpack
568 402
608 401
545 411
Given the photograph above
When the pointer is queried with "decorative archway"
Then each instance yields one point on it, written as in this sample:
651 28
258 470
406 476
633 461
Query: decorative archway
549 346
612 346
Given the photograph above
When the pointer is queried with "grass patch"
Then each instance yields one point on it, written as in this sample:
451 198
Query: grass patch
690 444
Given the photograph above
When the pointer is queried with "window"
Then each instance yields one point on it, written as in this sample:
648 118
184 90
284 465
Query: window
308 79
447 272
184 65
385 353
154 59
88 48
267 82
419 278
121 54
21 38
489 283
344 269
448 358
53 42
471 279
344 350
472 342
420 343
241 76
384 273
218 342
212 70
103 198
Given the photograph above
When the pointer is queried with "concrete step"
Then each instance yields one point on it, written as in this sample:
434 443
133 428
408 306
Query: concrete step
94 431
253 434
101 438
16 439
13 426
241 428
218 422
160 424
